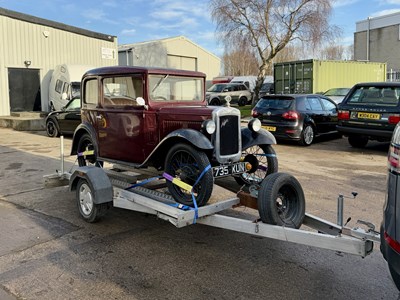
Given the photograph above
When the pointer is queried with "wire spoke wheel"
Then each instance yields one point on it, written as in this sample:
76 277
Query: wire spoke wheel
85 144
187 164
263 161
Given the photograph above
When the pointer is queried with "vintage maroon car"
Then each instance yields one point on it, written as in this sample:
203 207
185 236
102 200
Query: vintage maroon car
155 117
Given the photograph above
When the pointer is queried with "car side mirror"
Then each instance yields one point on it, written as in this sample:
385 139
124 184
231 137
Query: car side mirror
64 96
140 101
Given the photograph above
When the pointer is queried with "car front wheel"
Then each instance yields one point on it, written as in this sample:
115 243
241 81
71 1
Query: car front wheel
215 102
86 152
51 128
242 101
186 164
263 161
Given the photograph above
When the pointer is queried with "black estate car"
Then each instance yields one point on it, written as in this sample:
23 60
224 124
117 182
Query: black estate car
390 229
370 111
64 121
297 117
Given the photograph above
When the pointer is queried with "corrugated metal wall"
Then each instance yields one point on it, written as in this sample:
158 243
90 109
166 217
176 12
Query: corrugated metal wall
45 47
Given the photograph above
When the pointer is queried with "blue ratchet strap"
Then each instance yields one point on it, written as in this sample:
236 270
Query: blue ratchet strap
181 206
196 209
143 182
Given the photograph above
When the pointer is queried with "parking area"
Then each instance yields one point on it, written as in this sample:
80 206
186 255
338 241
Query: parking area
48 252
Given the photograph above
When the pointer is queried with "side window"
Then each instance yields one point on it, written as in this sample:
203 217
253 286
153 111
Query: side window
91 92
328 105
314 103
65 88
58 87
122 91
301 104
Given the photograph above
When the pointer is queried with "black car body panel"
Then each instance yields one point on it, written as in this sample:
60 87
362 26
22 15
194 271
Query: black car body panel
274 113
68 118
390 228
370 110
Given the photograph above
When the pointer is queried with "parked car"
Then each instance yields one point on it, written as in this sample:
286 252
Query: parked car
150 117
337 94
64 121
238 92
390 228
266 89
297 117
370 111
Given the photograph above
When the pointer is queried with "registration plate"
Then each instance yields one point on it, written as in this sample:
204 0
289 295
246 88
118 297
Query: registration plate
363 115
269 128
226 170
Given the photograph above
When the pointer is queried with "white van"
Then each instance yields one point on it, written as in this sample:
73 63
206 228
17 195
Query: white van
249 81
65 84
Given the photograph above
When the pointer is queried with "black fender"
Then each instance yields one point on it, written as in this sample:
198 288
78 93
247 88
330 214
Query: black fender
261 137
54 119
81 130
99 181
189 136
309 120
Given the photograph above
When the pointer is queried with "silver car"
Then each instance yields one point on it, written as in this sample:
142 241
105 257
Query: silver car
238 92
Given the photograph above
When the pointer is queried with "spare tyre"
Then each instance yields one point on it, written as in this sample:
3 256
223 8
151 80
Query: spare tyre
281 200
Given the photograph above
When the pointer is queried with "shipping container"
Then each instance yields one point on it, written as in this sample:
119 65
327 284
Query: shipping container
318 76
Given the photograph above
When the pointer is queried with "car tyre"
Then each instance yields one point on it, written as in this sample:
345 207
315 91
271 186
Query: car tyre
281 201
215 102
242 101
88 209
357 141
395 277
185 163
52 128
264 162
307 135
86 144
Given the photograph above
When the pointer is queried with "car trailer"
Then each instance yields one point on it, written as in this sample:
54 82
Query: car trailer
98 188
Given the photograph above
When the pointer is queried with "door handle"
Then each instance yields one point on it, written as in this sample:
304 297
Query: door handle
99 117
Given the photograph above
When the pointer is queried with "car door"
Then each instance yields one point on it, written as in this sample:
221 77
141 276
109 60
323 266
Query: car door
70 118
315 112
330 115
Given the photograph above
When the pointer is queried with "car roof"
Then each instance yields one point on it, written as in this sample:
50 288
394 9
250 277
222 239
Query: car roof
379 84
120 70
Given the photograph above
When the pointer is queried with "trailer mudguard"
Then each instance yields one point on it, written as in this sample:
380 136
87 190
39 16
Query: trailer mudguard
97 179
251 138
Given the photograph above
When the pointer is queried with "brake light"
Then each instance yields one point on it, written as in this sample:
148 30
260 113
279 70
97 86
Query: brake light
343 115
394 119
254 113
290 115
392 243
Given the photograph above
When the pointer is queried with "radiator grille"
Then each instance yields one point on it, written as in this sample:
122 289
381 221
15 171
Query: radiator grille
228 131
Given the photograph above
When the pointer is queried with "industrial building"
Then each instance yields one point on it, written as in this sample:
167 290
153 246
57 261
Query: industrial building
32 47
176 52
378 39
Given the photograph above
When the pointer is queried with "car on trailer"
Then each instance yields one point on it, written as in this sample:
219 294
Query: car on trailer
152 117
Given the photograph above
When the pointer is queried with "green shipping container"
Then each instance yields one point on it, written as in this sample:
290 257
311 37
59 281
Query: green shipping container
318 76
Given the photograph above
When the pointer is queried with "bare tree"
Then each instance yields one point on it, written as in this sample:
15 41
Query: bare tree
270 25
333 52
241 60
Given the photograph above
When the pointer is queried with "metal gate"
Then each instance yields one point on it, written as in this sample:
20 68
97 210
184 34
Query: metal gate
24 89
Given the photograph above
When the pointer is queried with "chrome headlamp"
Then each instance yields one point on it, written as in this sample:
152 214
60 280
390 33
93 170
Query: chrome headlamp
254 125
208 126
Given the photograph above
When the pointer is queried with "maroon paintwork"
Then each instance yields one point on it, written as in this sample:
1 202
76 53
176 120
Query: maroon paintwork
130 134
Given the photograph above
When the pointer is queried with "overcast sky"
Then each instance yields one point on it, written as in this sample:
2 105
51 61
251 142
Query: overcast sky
138 20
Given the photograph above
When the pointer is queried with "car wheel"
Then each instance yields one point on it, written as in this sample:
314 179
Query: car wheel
395 277
242 101
88 209
85 144
263 161
51 128
357 141
307 135
185 163
215 102
281 201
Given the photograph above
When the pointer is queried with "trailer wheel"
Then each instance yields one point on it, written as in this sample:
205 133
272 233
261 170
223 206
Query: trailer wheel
86 144
264 162
281 201
186 164
89 211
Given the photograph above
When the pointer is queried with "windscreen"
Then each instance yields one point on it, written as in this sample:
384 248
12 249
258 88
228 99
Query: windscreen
175 88
274 103
216 88
375 95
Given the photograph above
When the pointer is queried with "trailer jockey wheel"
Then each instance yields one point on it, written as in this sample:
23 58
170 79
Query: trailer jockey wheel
281 201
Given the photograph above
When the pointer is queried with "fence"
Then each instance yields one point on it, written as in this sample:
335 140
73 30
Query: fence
393 75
